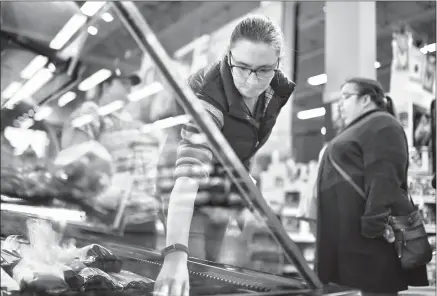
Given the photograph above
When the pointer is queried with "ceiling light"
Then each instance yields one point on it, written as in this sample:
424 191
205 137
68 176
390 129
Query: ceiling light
92 30
428 48
31 86
34 66
323 78
318 79
66 98
43 113
145 92
111 107
11 89
82 120
166 123
94 79
107 17
70 28
323 130
90 8
311 113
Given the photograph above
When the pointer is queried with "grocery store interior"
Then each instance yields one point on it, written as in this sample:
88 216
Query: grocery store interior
116 71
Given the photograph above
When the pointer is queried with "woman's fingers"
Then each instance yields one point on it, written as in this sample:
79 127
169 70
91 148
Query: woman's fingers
161 289
176 288
186 289
172 288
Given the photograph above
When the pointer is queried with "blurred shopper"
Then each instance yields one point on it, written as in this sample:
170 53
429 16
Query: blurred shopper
308 208
132 152
354 242
243 93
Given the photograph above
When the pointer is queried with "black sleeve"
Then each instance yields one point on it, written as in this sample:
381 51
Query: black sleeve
385 157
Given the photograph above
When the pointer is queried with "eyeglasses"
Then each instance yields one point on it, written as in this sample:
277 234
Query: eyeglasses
347 96
261 73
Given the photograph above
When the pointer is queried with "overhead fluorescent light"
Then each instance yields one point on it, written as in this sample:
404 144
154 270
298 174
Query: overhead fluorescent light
428 48
318 79
94 79
34 66
191 46
92 30
31 86
90 8
82 120
66 98
166 123
11 89
43 113
70 28
145 92
311 113
111 107
323 78
107 17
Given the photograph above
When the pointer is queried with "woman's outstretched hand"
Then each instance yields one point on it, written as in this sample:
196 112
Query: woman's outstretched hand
173 279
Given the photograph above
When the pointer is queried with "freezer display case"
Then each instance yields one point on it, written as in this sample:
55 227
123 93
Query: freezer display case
90 163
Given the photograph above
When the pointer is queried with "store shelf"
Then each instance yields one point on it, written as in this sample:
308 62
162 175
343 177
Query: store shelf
290 212
428 199
302 237
289 268
430 229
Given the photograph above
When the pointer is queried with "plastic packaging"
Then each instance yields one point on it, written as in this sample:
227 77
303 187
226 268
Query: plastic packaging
130 280
8 283
42 265
99 257
95 279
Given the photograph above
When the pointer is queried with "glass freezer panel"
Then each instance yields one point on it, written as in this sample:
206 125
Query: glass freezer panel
133 100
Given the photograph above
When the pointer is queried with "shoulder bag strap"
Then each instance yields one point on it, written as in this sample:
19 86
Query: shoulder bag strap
347 177
352 183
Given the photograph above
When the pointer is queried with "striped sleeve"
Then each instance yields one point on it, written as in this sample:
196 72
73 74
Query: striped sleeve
194 155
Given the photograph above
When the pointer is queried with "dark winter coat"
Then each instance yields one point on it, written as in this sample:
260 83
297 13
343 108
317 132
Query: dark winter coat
350 248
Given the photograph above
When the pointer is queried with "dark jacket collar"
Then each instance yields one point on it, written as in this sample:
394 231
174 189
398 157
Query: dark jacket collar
281 85
365 114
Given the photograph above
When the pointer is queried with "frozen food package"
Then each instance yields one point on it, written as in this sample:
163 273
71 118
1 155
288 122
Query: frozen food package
74 280
76 266
95 279
99 257
8 283
37 276
130 280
